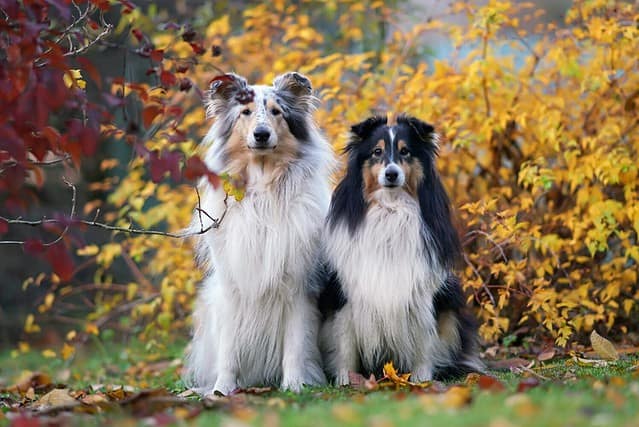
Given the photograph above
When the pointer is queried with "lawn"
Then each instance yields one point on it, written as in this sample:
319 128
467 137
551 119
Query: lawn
135 384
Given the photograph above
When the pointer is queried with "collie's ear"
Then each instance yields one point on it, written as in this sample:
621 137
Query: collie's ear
225 90
424 131
364 129
296 89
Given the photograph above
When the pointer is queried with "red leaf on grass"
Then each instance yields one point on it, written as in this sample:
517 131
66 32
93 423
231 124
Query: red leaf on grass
527 384
487 382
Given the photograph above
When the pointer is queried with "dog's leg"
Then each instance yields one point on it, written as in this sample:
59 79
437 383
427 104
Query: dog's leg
427 350
301 363
227 352
346 352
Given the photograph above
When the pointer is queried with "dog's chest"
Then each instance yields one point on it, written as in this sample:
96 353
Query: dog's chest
388 263
268 242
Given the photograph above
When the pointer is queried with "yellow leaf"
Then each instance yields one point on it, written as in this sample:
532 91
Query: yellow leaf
29 326
89 250
604 348
48 354
67 351
91 328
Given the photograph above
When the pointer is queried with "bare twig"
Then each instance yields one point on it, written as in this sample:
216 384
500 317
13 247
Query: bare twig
215 223
12 163
107 30
491 240
483 284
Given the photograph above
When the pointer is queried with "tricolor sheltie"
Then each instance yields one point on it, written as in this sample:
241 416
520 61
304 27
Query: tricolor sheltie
391 247
256 320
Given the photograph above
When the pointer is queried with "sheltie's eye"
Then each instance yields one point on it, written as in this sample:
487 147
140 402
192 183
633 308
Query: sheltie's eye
275 111
246 112
404 151
377 152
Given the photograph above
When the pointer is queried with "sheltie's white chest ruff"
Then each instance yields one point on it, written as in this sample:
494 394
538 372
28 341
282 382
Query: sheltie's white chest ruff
389 275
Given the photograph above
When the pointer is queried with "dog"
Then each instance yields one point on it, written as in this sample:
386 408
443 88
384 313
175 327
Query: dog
256 320
391 248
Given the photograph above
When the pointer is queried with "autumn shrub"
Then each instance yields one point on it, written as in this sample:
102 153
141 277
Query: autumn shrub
538 151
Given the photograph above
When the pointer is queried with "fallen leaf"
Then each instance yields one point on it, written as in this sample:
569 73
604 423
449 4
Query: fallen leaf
507 364
546 355
35 380
604 348
522 404
527 383
486 382
360 382
456 397
580 361
55 399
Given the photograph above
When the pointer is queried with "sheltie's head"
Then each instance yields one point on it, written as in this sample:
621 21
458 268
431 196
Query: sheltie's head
388 158
261 122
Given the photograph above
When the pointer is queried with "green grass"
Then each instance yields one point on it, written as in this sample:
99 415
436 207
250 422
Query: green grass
571 396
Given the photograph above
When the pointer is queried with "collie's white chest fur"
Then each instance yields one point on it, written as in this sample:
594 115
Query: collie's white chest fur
267 241
389 276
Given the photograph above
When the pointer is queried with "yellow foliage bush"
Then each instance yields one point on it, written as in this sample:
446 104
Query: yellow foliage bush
539 153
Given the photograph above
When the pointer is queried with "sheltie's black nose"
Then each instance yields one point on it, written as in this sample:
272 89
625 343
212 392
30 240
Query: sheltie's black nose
391 175
261 134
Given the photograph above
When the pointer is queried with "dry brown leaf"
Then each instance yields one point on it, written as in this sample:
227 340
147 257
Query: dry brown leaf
546 355
35 380
604 348
486 382
56 398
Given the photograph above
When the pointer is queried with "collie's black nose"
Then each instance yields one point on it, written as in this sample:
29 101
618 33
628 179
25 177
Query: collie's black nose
261 134
391 175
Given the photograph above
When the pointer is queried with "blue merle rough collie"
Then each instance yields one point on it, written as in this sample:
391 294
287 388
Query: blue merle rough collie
391 248
256 320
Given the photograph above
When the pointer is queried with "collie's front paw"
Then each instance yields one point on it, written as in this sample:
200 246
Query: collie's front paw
342 378
292 384
224 386
422 373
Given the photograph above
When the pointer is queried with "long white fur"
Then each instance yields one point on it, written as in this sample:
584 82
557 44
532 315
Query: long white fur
389 276
256 320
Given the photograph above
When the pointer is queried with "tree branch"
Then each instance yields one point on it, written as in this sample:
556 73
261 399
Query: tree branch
215 223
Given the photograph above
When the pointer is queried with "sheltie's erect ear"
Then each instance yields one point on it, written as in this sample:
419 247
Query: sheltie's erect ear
364 129
423 131
226 90
295 91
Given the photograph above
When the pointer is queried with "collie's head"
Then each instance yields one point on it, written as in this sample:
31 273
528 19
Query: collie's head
390 160
261 122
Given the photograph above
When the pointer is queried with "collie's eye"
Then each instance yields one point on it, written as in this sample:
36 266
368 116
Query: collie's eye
404 151
377 152
246 111
275 111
